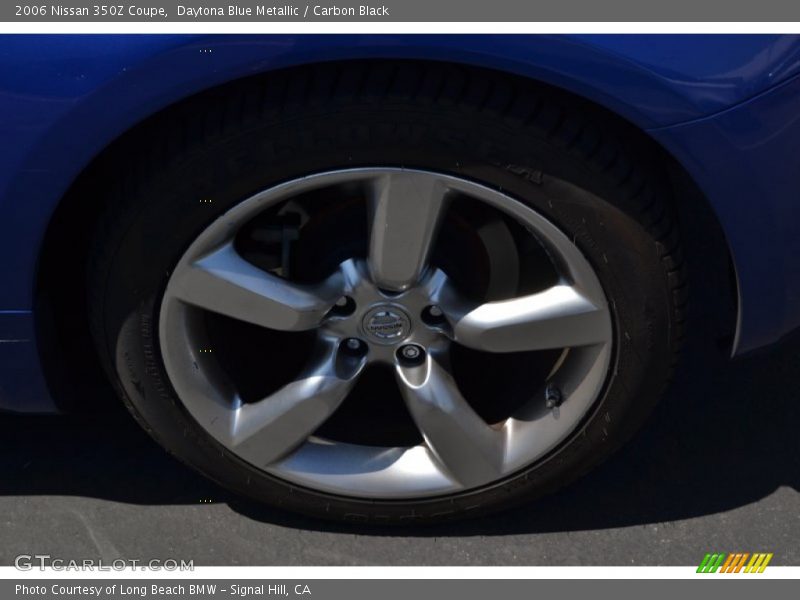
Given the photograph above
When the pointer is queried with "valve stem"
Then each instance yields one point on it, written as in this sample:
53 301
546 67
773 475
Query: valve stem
552 396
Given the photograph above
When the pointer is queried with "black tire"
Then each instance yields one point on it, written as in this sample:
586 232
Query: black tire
583 169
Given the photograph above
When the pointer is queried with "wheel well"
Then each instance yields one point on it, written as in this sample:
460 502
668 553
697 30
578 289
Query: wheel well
70 362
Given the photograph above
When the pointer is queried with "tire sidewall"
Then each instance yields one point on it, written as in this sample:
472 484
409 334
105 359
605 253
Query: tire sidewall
195 187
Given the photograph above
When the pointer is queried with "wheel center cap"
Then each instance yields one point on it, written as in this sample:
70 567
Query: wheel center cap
386 324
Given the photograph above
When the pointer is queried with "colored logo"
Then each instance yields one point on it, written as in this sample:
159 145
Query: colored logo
734 563
386 324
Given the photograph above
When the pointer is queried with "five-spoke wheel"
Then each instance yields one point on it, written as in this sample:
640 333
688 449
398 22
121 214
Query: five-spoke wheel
389 291
391 307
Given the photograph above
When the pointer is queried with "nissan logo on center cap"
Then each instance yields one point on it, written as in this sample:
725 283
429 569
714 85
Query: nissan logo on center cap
386 324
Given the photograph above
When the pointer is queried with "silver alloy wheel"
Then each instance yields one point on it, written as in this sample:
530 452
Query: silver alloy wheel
390 291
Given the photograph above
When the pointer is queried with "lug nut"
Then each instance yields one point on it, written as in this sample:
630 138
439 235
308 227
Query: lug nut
344 306
354 346
433 315
411 354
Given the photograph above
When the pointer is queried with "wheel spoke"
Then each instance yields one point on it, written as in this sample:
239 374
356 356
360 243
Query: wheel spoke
225 283
405 212
468 449
267 430
393 286
559 317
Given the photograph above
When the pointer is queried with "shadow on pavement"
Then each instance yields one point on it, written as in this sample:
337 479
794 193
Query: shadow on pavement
726 435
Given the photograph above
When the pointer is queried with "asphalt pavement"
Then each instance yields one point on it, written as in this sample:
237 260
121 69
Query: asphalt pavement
717 468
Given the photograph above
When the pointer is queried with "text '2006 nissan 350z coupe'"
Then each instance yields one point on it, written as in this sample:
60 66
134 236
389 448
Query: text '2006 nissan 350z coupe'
392 278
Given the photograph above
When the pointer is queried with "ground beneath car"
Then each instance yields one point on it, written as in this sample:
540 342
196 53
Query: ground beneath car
716 469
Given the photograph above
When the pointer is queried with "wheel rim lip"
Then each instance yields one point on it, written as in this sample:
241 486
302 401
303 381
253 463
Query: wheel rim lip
382 472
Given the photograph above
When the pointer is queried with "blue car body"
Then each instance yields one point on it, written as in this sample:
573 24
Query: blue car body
727 108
